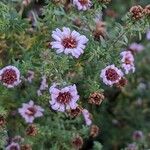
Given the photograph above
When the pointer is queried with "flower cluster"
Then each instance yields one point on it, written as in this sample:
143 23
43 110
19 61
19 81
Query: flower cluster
137 12
64 96
111 75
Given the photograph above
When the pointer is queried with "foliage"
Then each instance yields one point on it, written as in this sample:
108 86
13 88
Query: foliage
28 48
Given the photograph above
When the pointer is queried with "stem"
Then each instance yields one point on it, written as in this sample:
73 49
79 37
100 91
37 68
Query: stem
21 10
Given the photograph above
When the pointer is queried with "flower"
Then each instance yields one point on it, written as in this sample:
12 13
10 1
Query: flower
148 35
64 98
132 147
69 42
136 12
10 76
30 76
111 75
29 111
87 116
17 139
13 146
43 86
82 4
135 47
137 135
127 61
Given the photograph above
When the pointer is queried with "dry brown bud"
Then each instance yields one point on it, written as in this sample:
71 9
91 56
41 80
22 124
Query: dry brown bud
100 30
111 13
26 147
94 131
77 22
32 130
136 12
122 83
77 142
147 10
96 98
75 112
2 121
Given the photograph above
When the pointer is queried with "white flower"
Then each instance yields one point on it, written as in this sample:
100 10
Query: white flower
64 98
87 117
82 4
127 61
10 76
30 111
13 146
111 75
68 42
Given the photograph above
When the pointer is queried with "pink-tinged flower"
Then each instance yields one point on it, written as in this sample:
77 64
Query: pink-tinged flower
82 4
137 135
30 111
111 75
10 76
132 147
68 42
127 61
30 76
148 35
63 99
135 47
87 116
13 146
43 86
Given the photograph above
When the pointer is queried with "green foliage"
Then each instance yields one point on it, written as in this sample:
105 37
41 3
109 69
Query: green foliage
4 17
118 116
